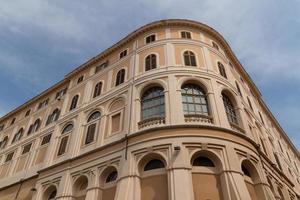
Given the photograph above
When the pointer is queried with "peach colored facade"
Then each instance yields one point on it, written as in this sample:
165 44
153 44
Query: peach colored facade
112 144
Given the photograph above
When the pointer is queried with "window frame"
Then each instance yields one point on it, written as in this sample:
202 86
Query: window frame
74 104
191 62
230 112
149 35
151 67
120 78
123 53
186 33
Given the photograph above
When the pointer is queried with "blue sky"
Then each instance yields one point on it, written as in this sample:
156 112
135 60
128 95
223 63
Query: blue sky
41 41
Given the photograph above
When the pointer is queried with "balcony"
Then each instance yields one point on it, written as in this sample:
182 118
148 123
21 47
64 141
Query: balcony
155 121
196 118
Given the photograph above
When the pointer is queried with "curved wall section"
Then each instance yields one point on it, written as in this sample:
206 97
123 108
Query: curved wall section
166 113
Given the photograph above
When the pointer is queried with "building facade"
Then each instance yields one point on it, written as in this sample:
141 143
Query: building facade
167 113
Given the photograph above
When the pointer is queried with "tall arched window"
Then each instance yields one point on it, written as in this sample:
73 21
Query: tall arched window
4 142
222 70
120 77
36 125
53 116
153 103
250 180
64 139
112 176
194 100
18 135
74 102
108 181
92 125
229 109
97 90
150 62
189 58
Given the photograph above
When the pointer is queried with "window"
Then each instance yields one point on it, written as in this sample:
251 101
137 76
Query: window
215 45
74 102
249 102
97 90
13 121
53 117
18 136
52 195
238 88
91 130
111 177
9 157
277 160
27 113
194 100
1 127
222 70
123 54
115 123
153 103
63 145
26 148
120 77
43 103
80 79
101 66
4 142
203 162
189 58
154 164
68 128
229 109
186 35
60 93
245 171
261 118
150 38
46 139
150 62
36 125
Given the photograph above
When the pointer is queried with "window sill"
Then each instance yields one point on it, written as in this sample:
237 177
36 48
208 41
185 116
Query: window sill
151 122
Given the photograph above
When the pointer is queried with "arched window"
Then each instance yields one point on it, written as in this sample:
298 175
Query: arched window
90 135
120 77
150 62
18 135
203 161
249 102
194 100
4 142
238 88
74 102
36 125
246 171
53 117
111 177
222 70
64 139
154 164
153 103
189 58
52 195
229 109
97 90
80 188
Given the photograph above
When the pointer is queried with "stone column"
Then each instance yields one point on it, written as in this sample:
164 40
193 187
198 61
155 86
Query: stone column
64 191
93 190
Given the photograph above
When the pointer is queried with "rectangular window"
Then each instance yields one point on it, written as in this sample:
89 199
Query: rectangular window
46 139
63 145
80 79
123 54
90 133
150 38
101 66
186 35
26 148
9 157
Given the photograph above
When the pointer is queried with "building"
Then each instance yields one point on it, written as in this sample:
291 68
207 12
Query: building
167 113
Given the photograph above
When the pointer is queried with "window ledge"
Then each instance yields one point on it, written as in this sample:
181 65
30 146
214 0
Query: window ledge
151 122
198 118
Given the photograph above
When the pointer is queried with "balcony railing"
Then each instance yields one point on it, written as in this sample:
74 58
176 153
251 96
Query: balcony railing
151 122
196 118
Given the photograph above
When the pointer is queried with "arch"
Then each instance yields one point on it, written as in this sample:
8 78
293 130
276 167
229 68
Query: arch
74 102
116 104
50 193
80 187
194 100
108 182
67 128
206 167
153 103
189 58
251 177
149 84
151 62
193 80
154 181
94 115
36 125
120 77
